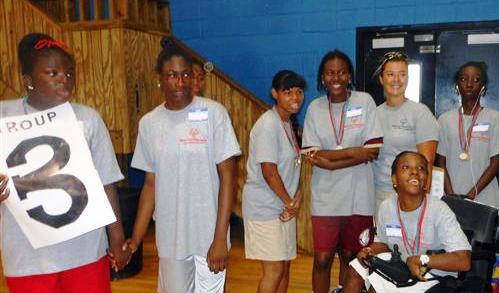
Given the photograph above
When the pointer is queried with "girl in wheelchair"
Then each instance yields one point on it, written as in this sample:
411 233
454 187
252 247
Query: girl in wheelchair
417 223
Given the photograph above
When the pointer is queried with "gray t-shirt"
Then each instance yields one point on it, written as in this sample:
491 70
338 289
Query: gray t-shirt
404 127
346 191
440 229
269 143
18 256
484 145
183 149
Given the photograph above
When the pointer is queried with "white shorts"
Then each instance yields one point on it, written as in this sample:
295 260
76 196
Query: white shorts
271 240
190 275
383 286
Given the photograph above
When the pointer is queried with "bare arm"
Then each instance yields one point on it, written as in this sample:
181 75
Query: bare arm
115 231
144 212
457 261
371 250
335 154
355 154
358 155
428 149
217 254
488 174
442 162
4 190
274 180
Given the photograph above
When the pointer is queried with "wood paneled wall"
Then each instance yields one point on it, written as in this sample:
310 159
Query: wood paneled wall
144 12
143 94
244 112
303 222
100 78
55 8
6 92
17 18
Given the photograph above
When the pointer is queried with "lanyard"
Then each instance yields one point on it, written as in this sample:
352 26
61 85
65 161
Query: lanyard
291 139
414 249
338 135
466 142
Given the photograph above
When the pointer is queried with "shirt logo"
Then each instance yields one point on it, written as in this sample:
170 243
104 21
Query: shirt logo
403 125
193 132
193 137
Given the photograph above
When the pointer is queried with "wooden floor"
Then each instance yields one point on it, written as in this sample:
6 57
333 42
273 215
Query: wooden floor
242 275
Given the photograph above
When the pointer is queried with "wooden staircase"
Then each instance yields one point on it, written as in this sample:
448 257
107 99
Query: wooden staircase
115 53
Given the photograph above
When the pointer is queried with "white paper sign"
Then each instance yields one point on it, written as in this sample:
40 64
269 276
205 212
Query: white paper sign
55 191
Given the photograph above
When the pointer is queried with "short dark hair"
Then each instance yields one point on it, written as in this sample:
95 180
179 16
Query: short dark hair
400 155
286 79
330 56
480 65
170 49
34 45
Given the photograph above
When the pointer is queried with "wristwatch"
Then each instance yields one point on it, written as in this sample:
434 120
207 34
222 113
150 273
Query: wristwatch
424 259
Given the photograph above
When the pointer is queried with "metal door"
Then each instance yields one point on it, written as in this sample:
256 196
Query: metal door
439 50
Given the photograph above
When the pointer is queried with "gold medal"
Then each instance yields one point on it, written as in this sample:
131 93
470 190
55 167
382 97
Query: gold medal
339 147
465 139
297 162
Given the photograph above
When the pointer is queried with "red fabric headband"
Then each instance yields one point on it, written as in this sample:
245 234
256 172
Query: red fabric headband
48 43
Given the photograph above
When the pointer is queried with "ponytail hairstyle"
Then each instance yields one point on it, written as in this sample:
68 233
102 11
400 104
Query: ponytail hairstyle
34 45
170 50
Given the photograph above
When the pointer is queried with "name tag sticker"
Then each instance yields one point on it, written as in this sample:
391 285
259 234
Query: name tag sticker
354 111
393 230
481 127
198 114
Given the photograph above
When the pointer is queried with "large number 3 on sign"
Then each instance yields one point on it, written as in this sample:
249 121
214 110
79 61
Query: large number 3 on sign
43 178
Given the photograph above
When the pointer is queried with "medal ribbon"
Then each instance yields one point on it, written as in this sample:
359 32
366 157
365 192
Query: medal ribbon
292 140
466 142
414 249
341 132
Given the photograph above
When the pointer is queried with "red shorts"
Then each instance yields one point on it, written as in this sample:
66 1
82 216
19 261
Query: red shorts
352 233
93 277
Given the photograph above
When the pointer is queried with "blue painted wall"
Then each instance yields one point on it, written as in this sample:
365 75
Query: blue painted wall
252 39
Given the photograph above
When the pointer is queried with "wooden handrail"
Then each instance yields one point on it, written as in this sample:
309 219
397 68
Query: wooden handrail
49 18
112 23
148 12
221 74
115 23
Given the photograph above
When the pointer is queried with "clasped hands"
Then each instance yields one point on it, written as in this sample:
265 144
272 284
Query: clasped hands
120 255
290 210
